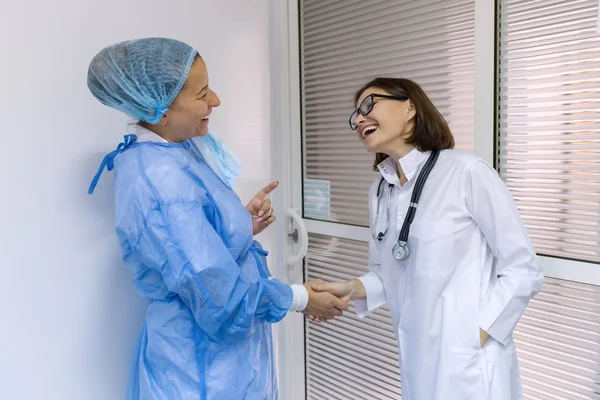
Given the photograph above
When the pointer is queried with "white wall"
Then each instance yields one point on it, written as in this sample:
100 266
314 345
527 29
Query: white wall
69 317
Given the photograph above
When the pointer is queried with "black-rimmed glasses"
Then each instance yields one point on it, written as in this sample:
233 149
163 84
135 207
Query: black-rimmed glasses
366 106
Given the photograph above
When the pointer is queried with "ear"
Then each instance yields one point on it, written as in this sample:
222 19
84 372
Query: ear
163 121
411 110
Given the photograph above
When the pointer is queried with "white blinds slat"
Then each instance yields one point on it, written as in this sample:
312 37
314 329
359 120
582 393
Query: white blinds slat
549 121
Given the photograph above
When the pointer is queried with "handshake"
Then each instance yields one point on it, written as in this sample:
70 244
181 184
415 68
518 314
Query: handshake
330 300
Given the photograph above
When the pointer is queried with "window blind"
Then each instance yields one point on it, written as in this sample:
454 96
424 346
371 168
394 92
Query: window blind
549 121
558 342
348 358
346 43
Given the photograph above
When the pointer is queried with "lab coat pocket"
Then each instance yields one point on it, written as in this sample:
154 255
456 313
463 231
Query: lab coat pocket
463 375
431 245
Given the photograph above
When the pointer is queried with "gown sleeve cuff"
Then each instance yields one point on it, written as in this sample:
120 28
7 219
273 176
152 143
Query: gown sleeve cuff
299 299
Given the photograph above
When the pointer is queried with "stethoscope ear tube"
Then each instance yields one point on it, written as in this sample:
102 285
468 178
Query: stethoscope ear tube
416 195
379 237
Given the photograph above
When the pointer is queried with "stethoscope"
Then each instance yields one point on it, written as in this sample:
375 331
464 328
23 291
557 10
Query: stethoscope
400 249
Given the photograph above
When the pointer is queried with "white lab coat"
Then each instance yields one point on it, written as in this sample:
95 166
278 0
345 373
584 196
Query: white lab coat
472 265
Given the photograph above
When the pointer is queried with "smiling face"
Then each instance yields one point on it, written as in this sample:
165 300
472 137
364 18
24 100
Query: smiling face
402 117
188 116
388 122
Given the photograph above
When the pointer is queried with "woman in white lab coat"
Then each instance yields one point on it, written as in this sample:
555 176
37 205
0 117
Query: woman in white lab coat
460 275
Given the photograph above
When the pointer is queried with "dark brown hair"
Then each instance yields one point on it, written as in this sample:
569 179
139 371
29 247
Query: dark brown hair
431 131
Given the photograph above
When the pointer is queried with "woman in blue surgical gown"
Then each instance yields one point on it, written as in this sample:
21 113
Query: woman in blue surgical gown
186 237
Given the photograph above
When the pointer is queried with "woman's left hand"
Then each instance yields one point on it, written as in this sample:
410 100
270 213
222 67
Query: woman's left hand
260 209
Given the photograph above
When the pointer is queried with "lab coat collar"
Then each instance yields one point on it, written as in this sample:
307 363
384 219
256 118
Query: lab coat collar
410 164
146 135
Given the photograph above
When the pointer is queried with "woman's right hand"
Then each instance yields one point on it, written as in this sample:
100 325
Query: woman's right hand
348 290
322 304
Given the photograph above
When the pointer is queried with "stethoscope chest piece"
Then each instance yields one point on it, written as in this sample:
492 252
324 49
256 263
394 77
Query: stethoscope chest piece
401 251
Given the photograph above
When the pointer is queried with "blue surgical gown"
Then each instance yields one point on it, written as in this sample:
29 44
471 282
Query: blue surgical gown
188 242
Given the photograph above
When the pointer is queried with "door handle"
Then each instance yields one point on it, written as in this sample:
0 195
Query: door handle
299 234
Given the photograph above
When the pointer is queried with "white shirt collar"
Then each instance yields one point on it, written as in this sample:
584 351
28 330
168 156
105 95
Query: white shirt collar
410 164
146 135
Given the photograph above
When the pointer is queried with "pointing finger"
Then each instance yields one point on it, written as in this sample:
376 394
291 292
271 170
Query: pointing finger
267 189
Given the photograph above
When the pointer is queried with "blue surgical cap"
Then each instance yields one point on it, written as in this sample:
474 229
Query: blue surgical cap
141 77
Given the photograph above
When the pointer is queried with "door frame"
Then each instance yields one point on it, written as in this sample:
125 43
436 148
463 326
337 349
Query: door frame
287 162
